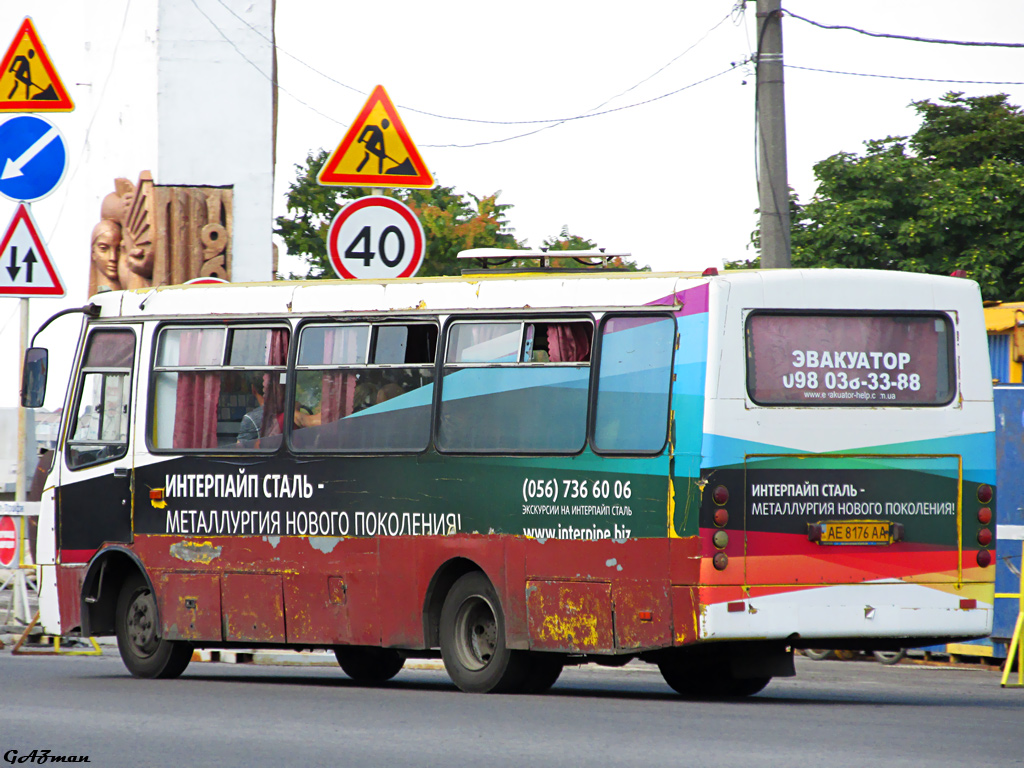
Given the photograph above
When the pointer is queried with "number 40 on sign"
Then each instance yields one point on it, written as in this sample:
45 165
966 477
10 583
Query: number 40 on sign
375 238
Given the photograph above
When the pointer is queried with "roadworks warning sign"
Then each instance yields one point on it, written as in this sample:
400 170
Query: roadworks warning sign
28 80
377 151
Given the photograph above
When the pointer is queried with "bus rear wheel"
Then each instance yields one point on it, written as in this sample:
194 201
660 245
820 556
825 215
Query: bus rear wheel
708 679
144 653
369 666
543 671
473 639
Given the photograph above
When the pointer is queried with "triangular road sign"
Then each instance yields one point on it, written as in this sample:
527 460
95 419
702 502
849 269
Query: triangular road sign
376 151
26 268
28 80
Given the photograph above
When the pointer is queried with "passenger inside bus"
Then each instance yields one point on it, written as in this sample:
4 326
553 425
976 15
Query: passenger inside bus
252 422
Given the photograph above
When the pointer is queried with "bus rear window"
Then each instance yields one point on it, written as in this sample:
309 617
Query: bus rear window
832 359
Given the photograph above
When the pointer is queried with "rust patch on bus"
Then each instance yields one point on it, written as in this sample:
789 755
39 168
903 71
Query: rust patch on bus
569 616
643 614
196 551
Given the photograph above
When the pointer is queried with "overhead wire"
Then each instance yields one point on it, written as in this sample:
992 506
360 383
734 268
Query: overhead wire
279 49
255 66
905 77
546 123
92 118
669 64
560 121
910 38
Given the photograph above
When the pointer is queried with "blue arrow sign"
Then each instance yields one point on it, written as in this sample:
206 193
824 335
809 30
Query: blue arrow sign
33 158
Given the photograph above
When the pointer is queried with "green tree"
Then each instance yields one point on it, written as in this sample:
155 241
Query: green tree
451 222
566 241
950 197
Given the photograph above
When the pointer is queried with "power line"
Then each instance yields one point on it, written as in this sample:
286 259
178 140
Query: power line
560 121
903 37
904 77
669 64
548 123
92 117
279 49
255 66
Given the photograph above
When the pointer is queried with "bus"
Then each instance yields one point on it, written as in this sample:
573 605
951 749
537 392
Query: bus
522 470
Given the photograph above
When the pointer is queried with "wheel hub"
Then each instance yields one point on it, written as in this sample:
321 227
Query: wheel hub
476 633
141 623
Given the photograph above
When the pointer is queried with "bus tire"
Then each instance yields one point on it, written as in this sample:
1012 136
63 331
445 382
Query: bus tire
473 639
369 666
748 686
144 653
819 654
890 657
708 679
543 671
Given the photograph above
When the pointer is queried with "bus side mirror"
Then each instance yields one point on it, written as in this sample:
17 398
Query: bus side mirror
33 377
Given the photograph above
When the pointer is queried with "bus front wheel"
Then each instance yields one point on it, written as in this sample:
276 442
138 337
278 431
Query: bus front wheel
369 666
144 653
473 639
890 657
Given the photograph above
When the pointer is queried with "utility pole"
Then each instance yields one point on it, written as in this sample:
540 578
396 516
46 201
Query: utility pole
773 189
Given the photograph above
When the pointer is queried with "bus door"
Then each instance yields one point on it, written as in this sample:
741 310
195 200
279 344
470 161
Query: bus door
94 494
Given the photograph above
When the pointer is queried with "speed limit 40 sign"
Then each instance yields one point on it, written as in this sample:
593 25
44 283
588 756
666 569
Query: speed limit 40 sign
375 238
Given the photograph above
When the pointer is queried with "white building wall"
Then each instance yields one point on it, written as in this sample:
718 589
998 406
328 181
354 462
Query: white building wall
215 114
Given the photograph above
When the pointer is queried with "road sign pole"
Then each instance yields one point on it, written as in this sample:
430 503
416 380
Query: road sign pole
20 486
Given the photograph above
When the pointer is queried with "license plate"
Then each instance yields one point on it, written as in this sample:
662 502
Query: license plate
855 532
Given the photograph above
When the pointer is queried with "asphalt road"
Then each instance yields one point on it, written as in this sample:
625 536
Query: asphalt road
833 714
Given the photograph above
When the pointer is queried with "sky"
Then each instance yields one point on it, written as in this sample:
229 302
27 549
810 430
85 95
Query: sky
661 160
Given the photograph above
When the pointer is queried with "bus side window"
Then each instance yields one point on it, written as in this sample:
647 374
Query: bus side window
99 431
365 388
633 383
515 386
219 388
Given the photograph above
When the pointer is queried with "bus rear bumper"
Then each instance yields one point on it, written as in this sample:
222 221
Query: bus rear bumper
883 609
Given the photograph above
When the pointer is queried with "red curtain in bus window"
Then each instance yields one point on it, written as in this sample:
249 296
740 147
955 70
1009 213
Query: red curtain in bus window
273 386
195 415
569 342
337 388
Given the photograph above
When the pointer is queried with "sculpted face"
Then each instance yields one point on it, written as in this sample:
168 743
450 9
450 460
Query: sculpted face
106 240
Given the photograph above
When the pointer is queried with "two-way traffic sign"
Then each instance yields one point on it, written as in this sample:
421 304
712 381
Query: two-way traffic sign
26 268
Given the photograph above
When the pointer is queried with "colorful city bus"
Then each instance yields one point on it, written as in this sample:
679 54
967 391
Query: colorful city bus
524 470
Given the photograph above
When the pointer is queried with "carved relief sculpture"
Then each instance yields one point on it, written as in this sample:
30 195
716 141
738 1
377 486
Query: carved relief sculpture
106 238
163 235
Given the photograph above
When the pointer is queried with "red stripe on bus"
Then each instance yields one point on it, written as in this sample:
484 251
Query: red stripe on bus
76 555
